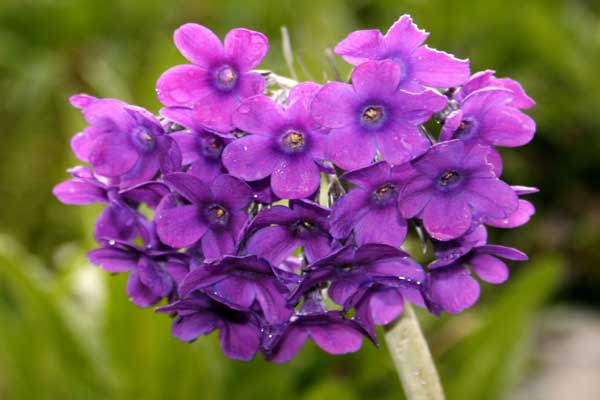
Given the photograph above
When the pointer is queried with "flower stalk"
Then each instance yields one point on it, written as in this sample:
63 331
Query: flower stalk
412 357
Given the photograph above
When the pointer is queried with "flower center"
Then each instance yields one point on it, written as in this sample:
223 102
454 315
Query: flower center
465 130
144 139
385 194
212 148
449 179
372 114
303 226
293 141
226 78
217 215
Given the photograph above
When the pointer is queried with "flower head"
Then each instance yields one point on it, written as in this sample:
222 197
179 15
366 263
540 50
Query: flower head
211 88
419 65
374 114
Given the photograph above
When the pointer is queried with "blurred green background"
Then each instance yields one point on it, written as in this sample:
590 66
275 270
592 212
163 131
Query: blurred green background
67 330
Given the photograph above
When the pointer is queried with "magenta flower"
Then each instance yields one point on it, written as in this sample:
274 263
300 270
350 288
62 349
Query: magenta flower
125 144
214 213
419 65
486 116
283 144
374 114
218 80
371 208
453 187
485 79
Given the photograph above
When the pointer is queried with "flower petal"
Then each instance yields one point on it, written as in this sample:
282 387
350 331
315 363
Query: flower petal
489 268
401 142
447 217
381 225
230 191
404 36
295 178
250 158
374 79
361 45
179 226
259 115
438 69
452 288
349 148
334 106
273 243
199 45
246 48
183 85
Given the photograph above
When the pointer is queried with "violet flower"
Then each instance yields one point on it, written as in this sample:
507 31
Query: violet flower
374 114
215 214
198 314
211 88
485 79
454 186
371 208
419 65
278 231
125 144
282 143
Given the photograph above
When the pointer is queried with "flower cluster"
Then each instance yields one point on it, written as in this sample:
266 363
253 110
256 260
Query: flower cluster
276 213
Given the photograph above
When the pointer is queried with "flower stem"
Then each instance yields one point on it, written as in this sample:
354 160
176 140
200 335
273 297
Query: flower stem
412 358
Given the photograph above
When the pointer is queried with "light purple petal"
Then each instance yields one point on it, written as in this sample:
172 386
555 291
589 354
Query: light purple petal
346 211
401 142
183 85
404 36
381 225
199 45
490 197
349 148
295 178
502 251
489 268
246 48
112 155
361 45
508 127
438 69
385 305
371 176
447 217
259 115
250 84
169 156
250 158
214 112
239 341
520 217
336 338
442 156
453 289
79 193
417 108
334 105
374 79
189 327
415 196
289 345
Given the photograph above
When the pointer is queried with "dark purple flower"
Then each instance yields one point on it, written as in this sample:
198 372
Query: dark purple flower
278 231
485 79
215 214
374 114
454 186
371 208
124 143
148 281
246 282
211 88
486 116
419 65
198 314
282 143
375 279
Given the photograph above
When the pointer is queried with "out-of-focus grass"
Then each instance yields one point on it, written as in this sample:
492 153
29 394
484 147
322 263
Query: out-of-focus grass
67 329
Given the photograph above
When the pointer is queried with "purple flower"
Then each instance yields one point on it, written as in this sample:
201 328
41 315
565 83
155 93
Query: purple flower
278 231
246 282
486 116
218 80
454 186
200 149
283 144
485 79
126 144
451 289
521 215
419 65
197 314
215 213
374 279
371 208
148 281
374 114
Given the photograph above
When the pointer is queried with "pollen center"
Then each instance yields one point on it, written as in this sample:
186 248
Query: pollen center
293 141
449 178
226 78
217 215
372 114
144 139
385 194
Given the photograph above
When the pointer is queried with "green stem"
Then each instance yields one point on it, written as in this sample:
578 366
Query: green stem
412 358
